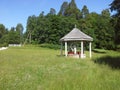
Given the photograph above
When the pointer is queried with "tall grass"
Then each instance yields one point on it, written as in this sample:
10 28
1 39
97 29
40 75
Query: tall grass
36 68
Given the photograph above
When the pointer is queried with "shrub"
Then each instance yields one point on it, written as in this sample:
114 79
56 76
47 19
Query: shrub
51 46
4 45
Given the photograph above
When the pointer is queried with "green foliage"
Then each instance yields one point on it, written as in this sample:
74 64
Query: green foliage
115 6
52 11
2 30
3 36
63 8
72 10
50 46
105 32
116 21
85 11
4 45
19 29
12 36
51 27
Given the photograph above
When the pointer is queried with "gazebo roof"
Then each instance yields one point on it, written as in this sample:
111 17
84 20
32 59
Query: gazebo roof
76 35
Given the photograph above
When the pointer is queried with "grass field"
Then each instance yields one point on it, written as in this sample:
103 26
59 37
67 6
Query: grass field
36 68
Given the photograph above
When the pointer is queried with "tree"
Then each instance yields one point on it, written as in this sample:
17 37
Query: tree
105 31
63 8
12 29
105 13
88 25
41 14
115 6
2 30
85 11
52 11
40 33
31 24
72 4
19 29
3 35
13 36
50 28
72 10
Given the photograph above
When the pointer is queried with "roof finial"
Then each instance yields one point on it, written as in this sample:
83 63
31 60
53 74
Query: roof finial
75 25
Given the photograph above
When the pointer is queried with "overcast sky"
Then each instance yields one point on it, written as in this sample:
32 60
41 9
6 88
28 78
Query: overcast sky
13 12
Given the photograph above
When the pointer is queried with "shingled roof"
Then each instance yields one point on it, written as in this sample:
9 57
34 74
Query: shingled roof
76 35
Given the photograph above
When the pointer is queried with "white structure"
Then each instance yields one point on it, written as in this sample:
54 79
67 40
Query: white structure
15 45
76 36
3 48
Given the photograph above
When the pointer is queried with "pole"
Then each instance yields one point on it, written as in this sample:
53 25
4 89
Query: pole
90 44
81 49
66 49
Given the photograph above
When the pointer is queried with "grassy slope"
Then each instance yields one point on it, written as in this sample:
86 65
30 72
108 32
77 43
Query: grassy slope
35 68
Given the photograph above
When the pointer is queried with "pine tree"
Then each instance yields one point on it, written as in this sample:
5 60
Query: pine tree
85 11
115 6
63 8
72 10
52 11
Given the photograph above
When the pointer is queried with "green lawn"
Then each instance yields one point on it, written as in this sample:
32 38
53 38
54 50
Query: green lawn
36 68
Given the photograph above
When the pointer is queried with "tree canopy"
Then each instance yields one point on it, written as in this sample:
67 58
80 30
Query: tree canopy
115 6
49 28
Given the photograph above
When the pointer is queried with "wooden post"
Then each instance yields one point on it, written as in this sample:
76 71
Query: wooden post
81 49
90 49
66 49
75 49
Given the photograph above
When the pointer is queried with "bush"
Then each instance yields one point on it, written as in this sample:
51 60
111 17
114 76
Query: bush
51 46
4 45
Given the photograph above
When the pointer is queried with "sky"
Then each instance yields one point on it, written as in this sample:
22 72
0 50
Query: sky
13 12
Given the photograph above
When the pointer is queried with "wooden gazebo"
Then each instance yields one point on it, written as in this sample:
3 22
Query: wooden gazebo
76 36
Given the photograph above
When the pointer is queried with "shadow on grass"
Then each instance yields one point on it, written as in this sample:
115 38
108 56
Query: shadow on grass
113 62
99 51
